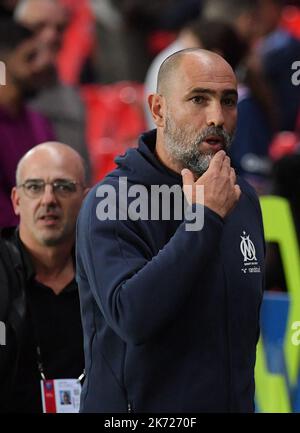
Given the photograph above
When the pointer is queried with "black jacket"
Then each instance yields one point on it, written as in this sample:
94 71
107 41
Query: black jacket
12 309
35 316
170 317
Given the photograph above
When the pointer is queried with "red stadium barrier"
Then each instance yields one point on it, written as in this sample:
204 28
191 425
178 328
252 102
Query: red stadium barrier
115 118
78 42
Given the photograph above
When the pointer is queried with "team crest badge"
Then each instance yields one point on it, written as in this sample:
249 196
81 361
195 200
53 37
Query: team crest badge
248 251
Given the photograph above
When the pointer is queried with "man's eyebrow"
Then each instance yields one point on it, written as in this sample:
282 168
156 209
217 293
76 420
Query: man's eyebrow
33 179
226 92
229 92
196 90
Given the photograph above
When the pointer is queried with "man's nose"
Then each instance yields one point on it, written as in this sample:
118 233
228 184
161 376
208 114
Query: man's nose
214 114
48 196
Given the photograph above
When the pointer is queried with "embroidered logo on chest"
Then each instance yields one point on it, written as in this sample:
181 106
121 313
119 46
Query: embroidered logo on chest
248 251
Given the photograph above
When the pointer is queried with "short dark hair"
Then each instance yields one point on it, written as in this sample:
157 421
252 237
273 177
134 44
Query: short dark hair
12 34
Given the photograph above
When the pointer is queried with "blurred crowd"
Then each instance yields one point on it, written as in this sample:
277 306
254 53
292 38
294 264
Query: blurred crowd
82 72
79 72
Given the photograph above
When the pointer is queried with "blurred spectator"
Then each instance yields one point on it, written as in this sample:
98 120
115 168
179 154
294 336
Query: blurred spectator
46 18
124 28
241 14
58 102
167 15
20 127
277 51
111 59
250 148
50 187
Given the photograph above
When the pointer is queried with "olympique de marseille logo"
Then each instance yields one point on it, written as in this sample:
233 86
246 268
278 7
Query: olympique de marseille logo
247 248
249 254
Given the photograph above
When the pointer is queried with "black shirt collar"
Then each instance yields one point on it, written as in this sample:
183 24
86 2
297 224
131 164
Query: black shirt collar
27 261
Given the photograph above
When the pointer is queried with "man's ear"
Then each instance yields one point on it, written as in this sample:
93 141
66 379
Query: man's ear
157 107
15 200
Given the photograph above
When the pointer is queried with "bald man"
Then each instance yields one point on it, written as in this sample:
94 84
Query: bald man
50 187
171 312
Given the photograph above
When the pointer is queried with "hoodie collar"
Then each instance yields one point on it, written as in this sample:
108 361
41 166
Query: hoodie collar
147 144
142 166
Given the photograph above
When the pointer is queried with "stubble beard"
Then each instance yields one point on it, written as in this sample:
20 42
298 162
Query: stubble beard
183 146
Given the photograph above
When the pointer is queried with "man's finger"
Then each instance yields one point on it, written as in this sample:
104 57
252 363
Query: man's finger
226 166
187 177
232 176
237 191
188 184
217 161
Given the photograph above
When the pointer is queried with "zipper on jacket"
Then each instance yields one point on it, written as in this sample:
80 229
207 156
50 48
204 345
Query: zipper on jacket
129 408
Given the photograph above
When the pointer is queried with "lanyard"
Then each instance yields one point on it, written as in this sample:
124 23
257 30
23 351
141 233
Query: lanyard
39 362
41 368
37 344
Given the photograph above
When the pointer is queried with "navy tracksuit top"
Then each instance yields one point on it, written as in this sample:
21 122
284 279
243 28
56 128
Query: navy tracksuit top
170 316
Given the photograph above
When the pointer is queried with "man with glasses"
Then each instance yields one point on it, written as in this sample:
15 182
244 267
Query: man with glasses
50 187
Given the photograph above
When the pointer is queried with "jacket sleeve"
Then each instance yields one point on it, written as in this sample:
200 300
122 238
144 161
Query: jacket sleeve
138 293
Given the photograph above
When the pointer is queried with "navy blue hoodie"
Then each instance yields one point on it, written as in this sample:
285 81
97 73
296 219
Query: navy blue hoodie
170 316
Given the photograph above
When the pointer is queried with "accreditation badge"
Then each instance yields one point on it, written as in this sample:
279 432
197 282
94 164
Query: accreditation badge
61 395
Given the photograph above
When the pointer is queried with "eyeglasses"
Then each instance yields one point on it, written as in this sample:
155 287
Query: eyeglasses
34 188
